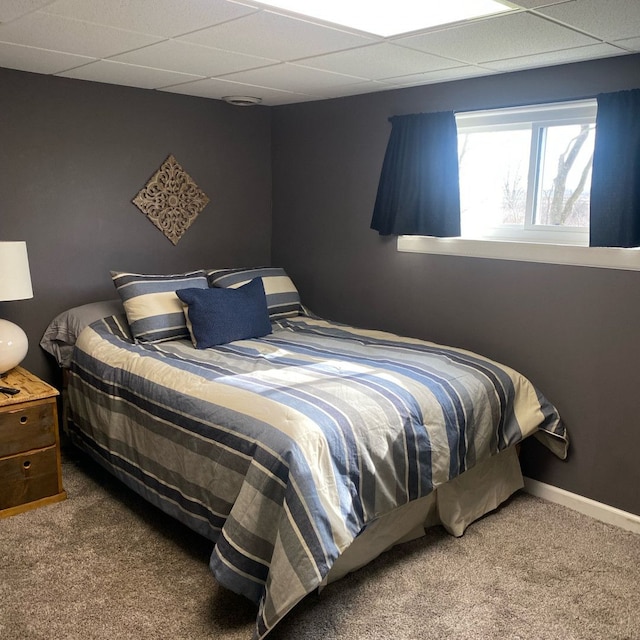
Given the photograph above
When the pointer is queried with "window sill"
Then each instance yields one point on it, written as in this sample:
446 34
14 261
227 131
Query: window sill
602 257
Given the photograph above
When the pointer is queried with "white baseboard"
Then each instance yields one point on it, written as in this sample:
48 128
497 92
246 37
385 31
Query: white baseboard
597 510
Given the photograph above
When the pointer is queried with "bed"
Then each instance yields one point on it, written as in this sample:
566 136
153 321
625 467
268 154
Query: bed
302 453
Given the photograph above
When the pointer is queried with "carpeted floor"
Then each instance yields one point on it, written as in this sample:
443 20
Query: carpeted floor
105 565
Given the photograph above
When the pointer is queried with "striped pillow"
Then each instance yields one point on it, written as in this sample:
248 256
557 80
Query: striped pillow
153 309
283 300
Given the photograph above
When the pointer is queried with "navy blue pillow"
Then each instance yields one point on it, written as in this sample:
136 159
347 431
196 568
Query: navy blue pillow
217 316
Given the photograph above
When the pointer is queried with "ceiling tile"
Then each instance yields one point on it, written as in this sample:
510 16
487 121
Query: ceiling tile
632 44
272 35
532 4
354 89
282 98
291 77
495 38
555 57
12 9
442 75
610 20
379 61
127 75
176 55
15 56
218 88
70 36
158 17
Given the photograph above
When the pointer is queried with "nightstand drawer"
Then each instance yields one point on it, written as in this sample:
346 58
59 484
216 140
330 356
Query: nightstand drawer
25 427
27 477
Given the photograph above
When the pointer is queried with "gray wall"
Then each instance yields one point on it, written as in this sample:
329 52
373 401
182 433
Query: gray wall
72 156
572 330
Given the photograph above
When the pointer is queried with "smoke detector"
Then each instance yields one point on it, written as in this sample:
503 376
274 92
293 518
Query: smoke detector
242 101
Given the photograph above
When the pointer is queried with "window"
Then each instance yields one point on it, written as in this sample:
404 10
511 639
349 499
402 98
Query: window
528 214
525 173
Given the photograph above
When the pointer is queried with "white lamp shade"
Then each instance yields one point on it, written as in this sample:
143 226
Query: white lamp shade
15 283
13 345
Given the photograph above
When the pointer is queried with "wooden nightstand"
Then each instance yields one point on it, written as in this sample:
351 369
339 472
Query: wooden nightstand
30 472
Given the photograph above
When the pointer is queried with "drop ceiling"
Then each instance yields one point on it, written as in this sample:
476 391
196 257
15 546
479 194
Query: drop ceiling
218 48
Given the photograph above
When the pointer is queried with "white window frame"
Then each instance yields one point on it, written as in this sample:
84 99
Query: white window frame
532 243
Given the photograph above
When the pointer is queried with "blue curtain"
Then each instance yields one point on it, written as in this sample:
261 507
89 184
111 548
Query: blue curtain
419 192
615 182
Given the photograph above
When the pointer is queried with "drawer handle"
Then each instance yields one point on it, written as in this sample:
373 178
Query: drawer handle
26 464
24 419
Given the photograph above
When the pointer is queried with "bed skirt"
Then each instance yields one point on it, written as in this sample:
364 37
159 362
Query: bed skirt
454 505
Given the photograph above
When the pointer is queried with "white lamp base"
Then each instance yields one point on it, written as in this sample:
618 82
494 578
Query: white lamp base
13 345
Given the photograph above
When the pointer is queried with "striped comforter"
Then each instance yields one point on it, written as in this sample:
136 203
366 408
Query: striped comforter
282 449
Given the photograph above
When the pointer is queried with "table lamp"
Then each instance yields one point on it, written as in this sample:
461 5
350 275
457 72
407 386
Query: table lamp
15 284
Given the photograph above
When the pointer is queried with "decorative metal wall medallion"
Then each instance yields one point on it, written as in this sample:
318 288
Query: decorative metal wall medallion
171 199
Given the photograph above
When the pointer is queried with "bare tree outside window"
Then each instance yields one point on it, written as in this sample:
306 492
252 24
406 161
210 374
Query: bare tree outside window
514 197
564 199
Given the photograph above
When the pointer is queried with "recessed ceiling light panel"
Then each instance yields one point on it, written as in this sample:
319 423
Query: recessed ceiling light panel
392 17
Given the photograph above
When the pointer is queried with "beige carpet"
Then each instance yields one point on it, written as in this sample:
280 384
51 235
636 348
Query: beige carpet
105 565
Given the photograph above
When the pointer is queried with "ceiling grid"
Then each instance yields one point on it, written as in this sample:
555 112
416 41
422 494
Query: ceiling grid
217 48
